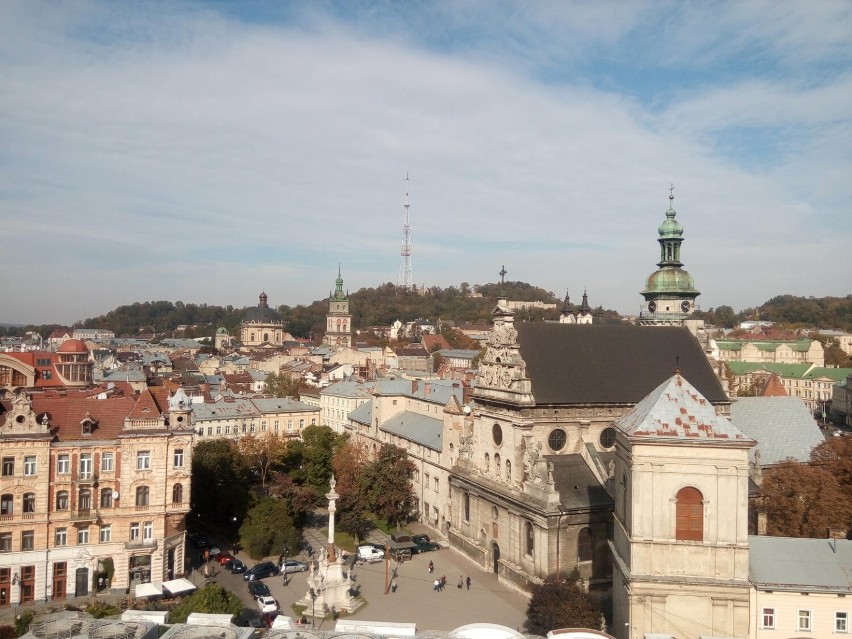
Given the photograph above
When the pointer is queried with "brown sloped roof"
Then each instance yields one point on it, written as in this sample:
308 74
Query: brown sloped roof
597 364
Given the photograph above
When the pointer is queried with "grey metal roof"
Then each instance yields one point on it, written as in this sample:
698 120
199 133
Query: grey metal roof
363 414
583 364
279 404
785 563
224 410
576 484
782 426
423 430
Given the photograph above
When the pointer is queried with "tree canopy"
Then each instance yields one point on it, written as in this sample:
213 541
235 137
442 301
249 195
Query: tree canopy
310 458
220 487
384 486
263 452
211 598
561 603
268 529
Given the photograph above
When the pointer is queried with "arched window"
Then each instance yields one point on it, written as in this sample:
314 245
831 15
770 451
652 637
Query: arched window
85 501
142 495
584 545
177 494
106 497
467 506
487 462
29 502
530 538
62 500
7 504
689 515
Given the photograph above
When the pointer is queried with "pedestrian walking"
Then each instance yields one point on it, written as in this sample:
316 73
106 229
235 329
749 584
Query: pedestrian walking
443 581
461 582
393 585
436 585
431 567
468 582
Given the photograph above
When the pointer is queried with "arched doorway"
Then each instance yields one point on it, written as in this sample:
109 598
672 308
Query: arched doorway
495 557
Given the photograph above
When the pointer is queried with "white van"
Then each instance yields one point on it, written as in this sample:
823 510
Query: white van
370 554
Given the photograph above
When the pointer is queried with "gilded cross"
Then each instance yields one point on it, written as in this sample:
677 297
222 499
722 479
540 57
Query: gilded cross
502 275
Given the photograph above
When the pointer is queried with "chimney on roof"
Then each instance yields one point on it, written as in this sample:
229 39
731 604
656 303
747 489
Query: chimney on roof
427 388
466 392
414 386
835 533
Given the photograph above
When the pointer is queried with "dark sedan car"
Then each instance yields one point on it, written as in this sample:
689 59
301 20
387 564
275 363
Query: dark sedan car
258 589
424 546
235 566
261 570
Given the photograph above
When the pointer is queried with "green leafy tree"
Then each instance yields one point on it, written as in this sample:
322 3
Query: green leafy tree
385 485
314 454
268 529
220 487
212 598
355 523
281 385
561 603
262 452
300 500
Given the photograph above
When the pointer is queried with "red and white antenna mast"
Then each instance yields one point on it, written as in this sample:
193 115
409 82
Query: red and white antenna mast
405 280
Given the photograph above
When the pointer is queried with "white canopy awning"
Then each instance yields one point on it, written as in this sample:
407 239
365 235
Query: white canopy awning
177 586
153 589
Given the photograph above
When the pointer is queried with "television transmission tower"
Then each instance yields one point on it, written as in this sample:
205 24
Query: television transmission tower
405 280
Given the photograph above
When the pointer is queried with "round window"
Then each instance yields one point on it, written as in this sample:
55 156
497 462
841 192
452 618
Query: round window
557 439
497 433
608 437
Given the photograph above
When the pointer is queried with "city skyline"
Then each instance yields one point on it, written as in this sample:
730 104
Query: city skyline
205 151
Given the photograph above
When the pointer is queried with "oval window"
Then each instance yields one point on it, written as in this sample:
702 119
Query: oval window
557 439
608 437
497 433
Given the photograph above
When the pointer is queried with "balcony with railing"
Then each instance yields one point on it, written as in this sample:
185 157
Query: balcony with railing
141 544
85 514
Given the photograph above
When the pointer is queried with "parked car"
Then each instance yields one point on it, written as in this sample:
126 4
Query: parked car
214 551
235 566
424 546
258 627
370 554
202 542
258 589
224 558
261 570
373 545
420 538
267 604
293 566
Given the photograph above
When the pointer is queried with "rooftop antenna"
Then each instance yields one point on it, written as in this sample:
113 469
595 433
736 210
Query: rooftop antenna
405 279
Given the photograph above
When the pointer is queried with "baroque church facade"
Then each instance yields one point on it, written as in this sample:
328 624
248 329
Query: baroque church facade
262 326
531 494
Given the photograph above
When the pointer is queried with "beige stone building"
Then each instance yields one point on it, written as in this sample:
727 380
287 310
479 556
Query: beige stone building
803 351
262 326
680 539
235 417
93 492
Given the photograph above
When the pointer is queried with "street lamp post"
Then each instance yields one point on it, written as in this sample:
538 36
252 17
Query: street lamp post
313 606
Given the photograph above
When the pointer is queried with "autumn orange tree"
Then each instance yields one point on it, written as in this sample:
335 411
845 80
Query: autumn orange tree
262 452
803 500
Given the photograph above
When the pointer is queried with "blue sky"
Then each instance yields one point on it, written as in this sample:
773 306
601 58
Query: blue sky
206 151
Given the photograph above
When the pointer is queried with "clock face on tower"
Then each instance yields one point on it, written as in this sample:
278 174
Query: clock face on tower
684 306
652 306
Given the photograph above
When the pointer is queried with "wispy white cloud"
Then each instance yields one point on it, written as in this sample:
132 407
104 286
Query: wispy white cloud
191 154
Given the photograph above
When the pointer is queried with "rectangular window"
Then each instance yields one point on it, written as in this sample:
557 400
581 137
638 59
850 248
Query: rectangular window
8 466
301 424
86 466
436 484
107 462
178 460
148 531
61 537
27 540
134 531
804 624
227 429
769 618
289 424
106 533
63 464
83 535
143 460
30 465
6 542
841 622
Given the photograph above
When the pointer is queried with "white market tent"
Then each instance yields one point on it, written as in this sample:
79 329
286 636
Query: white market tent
154 589
178 586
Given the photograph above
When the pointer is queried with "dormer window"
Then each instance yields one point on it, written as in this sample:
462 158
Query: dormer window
88 425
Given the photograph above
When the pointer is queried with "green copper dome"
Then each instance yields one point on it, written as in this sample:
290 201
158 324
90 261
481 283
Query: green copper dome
671 227
670 280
